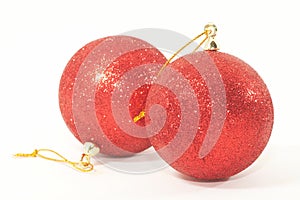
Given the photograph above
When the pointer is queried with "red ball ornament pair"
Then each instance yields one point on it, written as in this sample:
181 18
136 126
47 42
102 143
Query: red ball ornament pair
208 114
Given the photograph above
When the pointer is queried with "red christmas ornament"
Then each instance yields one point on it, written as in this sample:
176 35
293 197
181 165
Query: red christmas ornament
97 81
211 114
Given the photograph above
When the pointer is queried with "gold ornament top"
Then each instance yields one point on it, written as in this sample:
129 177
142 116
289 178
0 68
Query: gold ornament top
211 32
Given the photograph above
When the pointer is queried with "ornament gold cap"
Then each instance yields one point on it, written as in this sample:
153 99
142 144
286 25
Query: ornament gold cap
211 31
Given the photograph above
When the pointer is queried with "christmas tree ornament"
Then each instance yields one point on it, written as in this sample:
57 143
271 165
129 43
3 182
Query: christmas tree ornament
84 165
211 113
104 85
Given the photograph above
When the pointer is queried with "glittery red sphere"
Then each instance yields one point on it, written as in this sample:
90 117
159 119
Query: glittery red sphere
97 93
217 115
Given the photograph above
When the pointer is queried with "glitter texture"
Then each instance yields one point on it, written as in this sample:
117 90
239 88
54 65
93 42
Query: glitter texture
227 130
94 83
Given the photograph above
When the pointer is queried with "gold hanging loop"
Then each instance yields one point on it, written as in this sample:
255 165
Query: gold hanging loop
84 165
210 31
183 47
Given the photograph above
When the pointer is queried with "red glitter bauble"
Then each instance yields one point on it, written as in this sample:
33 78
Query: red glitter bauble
216 112
97 81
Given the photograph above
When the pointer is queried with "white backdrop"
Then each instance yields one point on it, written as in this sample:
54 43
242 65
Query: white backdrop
37 38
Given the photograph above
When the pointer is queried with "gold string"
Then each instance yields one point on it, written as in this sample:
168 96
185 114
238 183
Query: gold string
206 33
183 47
140 116
84 165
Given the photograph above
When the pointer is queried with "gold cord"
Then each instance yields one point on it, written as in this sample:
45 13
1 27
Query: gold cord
206 33
140 116
183 47
83 165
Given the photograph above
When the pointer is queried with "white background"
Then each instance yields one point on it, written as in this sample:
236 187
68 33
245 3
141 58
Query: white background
37 38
